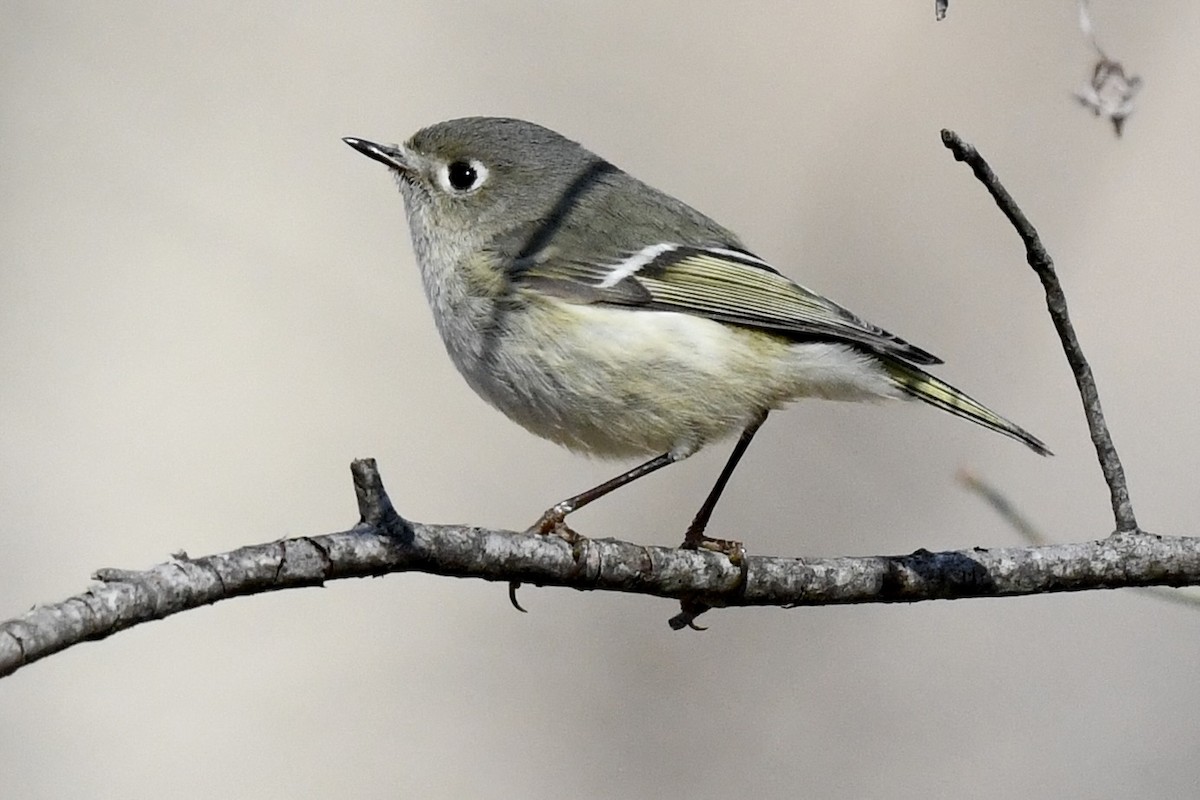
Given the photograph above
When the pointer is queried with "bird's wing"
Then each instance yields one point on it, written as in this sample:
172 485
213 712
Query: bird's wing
723 284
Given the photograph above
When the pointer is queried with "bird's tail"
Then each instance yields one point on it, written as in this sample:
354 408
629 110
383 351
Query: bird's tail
918 383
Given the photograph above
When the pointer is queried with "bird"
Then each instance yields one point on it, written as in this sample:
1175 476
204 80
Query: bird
611 318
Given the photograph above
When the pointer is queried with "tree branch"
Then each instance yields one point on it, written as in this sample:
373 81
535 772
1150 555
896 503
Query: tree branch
699 578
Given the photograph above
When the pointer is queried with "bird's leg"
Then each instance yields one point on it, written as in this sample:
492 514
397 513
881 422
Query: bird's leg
694 538
553 521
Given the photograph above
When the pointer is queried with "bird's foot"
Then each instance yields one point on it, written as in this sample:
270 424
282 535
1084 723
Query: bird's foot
733 550
553 523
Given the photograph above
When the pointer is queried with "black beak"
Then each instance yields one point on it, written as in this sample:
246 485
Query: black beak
391 156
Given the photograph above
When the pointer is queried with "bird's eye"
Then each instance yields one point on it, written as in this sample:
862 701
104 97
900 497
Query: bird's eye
463 176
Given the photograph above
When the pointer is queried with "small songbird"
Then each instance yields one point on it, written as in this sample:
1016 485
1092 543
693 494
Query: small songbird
604 315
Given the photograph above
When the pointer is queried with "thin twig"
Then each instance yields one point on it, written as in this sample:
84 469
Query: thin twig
1056 302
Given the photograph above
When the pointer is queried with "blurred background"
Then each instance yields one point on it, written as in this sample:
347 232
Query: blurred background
208 307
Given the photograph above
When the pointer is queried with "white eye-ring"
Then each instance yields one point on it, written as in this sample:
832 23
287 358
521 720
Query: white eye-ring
462 176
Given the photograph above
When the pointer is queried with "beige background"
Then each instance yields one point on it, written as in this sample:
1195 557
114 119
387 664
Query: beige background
208 306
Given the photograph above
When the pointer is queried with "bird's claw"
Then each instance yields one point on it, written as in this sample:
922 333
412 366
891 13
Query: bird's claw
512 596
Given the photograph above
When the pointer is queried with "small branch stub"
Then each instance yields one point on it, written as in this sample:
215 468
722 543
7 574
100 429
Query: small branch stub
375 508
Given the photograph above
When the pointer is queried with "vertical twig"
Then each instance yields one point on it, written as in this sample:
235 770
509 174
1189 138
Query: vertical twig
1056 302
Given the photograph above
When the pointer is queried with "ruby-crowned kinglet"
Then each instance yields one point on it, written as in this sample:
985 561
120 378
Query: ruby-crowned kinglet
604 315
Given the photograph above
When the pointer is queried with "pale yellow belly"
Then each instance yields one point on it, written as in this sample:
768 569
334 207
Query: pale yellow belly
616 382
